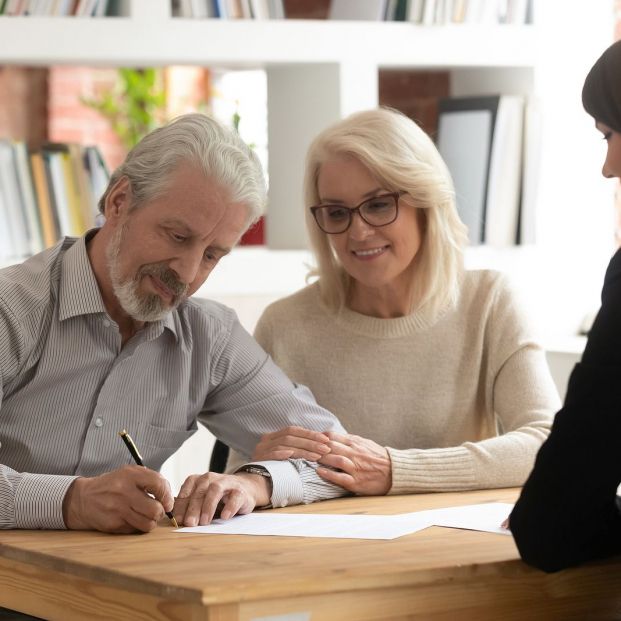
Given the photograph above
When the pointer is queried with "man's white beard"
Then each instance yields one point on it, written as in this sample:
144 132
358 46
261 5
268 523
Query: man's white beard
140 306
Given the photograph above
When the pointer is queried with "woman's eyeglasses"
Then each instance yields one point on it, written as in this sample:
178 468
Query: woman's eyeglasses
377 211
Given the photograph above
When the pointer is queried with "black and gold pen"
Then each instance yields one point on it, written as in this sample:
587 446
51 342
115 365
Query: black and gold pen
129 443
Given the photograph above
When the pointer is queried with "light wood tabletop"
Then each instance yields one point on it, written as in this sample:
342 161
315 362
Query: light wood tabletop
438 573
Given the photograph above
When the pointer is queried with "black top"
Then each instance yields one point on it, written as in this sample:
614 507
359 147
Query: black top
567 512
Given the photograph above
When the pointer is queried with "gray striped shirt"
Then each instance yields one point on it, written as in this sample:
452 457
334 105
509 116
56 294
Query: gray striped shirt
67 387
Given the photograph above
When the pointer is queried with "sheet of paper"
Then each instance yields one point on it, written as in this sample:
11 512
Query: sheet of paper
484 517
306 525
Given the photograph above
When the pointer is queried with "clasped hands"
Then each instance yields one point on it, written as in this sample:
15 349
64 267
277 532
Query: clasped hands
357 464
134 498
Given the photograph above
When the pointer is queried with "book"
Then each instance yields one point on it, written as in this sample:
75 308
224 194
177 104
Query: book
29 200
234 9
6 245
428 13
13 203
260 9
97 173
57 190
86 202
415 11
531 165
371 10
49 227
464 139
505 173
399 14
198 9
72 191
276 9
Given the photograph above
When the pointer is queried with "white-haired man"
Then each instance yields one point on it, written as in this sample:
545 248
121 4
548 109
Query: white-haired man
99 333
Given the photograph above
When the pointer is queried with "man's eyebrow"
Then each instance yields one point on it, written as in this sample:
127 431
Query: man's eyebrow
178 223
221 250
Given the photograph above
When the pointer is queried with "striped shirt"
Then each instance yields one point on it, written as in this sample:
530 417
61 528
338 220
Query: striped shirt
67 387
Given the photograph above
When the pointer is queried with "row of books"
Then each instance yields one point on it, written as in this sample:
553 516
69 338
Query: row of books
46 194
229 9
491 147
438 12
54 8
424 12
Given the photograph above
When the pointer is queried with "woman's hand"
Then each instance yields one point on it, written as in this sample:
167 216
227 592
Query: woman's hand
362 466
292 442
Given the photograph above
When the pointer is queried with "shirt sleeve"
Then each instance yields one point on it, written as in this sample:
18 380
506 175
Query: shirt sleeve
567 512
252 396
26 500
522 400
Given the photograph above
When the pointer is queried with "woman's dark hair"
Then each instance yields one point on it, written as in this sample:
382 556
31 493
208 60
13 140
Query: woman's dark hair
601 93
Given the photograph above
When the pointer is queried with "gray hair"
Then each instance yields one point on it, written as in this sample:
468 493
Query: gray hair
194 139
402 157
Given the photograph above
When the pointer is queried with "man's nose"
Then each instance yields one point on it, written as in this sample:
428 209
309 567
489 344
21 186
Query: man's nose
187 266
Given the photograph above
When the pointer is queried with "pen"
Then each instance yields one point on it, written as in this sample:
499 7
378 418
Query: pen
129 443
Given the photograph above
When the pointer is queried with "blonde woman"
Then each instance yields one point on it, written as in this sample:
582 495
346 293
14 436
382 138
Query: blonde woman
434 369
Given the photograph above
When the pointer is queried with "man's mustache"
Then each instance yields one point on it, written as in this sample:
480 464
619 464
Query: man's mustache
166 276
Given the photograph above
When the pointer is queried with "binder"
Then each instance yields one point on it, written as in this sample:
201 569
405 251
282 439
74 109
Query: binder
464 139
505 173
372 10
481 140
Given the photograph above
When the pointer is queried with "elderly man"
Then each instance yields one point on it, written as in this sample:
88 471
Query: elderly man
99 334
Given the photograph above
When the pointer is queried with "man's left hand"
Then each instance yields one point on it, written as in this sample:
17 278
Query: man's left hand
365 467
205 496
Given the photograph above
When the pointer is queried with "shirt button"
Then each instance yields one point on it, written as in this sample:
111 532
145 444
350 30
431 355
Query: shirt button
106 323
99 422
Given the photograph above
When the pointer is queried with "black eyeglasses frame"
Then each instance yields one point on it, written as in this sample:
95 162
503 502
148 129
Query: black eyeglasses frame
352 210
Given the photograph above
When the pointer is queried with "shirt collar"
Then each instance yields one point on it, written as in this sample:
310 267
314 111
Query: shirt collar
79 292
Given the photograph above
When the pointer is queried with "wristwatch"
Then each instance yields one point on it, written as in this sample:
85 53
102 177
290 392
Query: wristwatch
264 472
253 469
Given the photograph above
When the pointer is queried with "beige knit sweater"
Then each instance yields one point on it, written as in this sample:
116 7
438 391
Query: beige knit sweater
461 403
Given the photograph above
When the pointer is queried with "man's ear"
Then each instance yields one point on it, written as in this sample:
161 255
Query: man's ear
118 200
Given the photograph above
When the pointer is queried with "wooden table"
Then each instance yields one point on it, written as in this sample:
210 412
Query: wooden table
438 573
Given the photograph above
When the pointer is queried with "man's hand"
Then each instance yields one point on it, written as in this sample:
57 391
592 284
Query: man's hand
362 466
294 442
203 496
118 502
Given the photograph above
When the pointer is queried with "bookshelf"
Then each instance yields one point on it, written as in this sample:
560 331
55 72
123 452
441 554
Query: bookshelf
319 71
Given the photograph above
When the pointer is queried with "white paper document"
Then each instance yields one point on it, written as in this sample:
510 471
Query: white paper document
484 517
305 525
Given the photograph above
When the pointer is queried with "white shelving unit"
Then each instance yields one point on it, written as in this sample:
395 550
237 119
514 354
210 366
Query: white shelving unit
317 71
320 71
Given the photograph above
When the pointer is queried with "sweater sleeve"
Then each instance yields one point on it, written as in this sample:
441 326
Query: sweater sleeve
567 512
522 398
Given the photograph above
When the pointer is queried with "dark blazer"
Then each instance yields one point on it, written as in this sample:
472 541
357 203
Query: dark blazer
567 512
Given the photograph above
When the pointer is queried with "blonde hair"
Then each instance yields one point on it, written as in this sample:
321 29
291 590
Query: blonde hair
400 155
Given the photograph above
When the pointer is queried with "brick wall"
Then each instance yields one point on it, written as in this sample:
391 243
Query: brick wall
72 121
23 104
415 93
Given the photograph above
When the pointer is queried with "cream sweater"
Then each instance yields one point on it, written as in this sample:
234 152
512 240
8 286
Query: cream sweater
461 403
